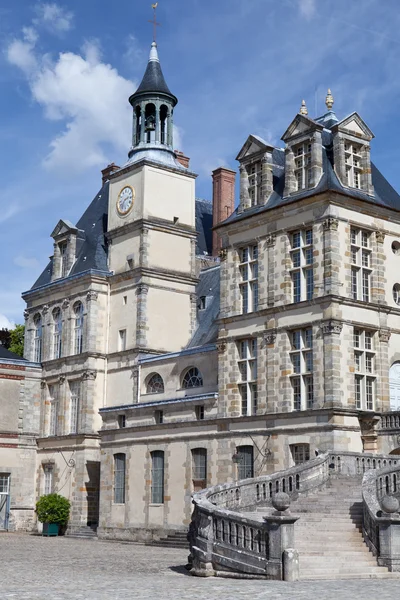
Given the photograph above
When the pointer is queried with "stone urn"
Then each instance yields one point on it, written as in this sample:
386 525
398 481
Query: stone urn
390 504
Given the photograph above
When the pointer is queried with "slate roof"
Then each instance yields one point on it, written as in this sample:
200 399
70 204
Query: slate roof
153 79
204 221
4 353
208 286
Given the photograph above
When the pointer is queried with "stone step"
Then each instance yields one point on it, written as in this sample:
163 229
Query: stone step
168 544
329 570
362 575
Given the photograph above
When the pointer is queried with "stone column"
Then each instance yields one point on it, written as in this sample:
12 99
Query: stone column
378 259
331 330
244 189
369 432
134 128
92 323
144 248
267 186
63 420
339 158
316 158
271 274
280 527
56 264
142 121
331 256
285 390
157 131
271 396
68 324
366 174
193 313
193 257
141 319
382 366
27 337
284 265
290 179
170 127
47 341
88 393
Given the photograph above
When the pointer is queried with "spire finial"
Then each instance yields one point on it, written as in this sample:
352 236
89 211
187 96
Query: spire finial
154 22
329 100
303 108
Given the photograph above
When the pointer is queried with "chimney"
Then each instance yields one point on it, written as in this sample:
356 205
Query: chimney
184 160
109 170
223 200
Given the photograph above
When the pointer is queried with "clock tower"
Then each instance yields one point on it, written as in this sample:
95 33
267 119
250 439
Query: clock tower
151 229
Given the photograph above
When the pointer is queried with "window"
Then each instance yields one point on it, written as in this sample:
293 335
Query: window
121 421
157 477
37 339
57 333
364 366
199 468
119 478
192 378
396 293
248 376
121 340
155 384
302 269
125 300
254 173
360 264
248 270
245 462
199 410
4 483
353 164
78 328
300 453
48 479
63 259
53 393
159 417
302 161
301 356
202 302
75 400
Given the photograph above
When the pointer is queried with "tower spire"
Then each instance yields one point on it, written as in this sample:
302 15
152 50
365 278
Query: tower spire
154 22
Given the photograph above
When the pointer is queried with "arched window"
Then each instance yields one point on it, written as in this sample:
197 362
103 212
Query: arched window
150 122
57 333
163 124
78 328
37 339
155 384
157 477
192 378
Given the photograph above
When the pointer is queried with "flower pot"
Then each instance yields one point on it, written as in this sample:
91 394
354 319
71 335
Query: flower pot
50 529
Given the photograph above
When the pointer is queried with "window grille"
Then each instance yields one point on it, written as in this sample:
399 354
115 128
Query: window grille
57 333
302 158
37 340
75 401
48 479
300 453
157 477
192 378
155 384
199 467
248 376
248 269
353 164
78 328
302 269
245 460
360 264
301 355
364 367
119 478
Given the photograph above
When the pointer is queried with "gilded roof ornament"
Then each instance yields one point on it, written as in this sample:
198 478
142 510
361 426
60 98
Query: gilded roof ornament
303 108
329 100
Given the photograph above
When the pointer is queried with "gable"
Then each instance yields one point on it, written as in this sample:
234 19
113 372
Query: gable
354 124
63 227
253 145
300 124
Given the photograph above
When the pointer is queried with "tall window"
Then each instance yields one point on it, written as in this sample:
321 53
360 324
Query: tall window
122 340
157 477
360 264
37 339
364 364
199 468
57 333
53 393
245 460
301 356
75 401
248 376
255 183
302 269
155 384
353 164
302 158
78 328
119 478
300 453
248 269
63 259
192 378
48 479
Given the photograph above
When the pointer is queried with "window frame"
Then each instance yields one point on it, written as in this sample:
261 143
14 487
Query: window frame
302 358
245 465
353 164
157 477
190 376
199 467
75 391
79 320
302 264
53 391
360 260
37 338
248 371
248 276
302 165
155 379
48 478
119 478
365 377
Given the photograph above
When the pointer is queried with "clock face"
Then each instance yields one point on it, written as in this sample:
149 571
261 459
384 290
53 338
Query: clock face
125 200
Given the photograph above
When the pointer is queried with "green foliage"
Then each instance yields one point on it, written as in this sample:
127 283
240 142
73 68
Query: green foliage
53 508
17 340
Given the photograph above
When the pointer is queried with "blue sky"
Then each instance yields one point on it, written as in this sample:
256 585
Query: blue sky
237 67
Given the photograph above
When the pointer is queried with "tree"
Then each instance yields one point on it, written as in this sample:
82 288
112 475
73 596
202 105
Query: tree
5 338
17 340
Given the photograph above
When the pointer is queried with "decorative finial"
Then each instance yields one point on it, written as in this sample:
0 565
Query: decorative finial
303 108
154 21
329 100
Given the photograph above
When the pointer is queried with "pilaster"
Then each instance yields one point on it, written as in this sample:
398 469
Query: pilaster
270 243
331 330
331 256
92 321
382 368
378 260
244 189
271 375
290 179
141 319
316 159
267 186
366 174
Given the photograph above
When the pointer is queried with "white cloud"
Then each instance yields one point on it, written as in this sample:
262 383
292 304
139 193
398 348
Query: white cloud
53 17
21 52
307 8
26 263
5 323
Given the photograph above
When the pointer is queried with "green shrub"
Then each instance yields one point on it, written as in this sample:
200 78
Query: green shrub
53 508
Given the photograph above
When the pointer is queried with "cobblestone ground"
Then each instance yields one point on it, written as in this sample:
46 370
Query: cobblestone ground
35 568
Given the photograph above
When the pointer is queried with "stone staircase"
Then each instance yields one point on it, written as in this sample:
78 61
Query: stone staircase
175 539
87 533
328 534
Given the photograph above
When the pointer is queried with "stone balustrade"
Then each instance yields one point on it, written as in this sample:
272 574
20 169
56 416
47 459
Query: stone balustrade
390 420
224 539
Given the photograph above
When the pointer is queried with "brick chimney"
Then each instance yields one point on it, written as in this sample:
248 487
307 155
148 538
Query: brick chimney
109 170
184 160
223 200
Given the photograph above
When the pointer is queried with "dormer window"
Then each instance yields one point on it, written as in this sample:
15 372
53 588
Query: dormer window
255 183
302 172
63 246
353 164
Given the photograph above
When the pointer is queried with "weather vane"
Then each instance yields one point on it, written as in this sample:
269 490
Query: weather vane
154 21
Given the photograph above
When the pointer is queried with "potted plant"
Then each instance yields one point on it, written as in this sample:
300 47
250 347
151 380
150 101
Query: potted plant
53 511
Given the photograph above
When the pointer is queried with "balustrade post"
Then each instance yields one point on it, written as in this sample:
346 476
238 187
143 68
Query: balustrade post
389 544
280 538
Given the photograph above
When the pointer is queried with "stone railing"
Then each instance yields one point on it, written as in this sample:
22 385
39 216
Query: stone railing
390 420
381 518
225 539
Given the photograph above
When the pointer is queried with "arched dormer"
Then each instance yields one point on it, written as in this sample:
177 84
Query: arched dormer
192 378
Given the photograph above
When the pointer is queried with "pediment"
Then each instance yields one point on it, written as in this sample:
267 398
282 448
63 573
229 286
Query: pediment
354 124
253 145
300 124
63 227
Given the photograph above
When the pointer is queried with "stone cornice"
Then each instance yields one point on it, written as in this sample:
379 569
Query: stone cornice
65 287
157 273
149 163
154 224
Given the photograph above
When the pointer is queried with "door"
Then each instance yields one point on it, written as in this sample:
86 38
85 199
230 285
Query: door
394 382
4 499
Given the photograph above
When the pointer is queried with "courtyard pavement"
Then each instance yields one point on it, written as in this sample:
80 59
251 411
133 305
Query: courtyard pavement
36 568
